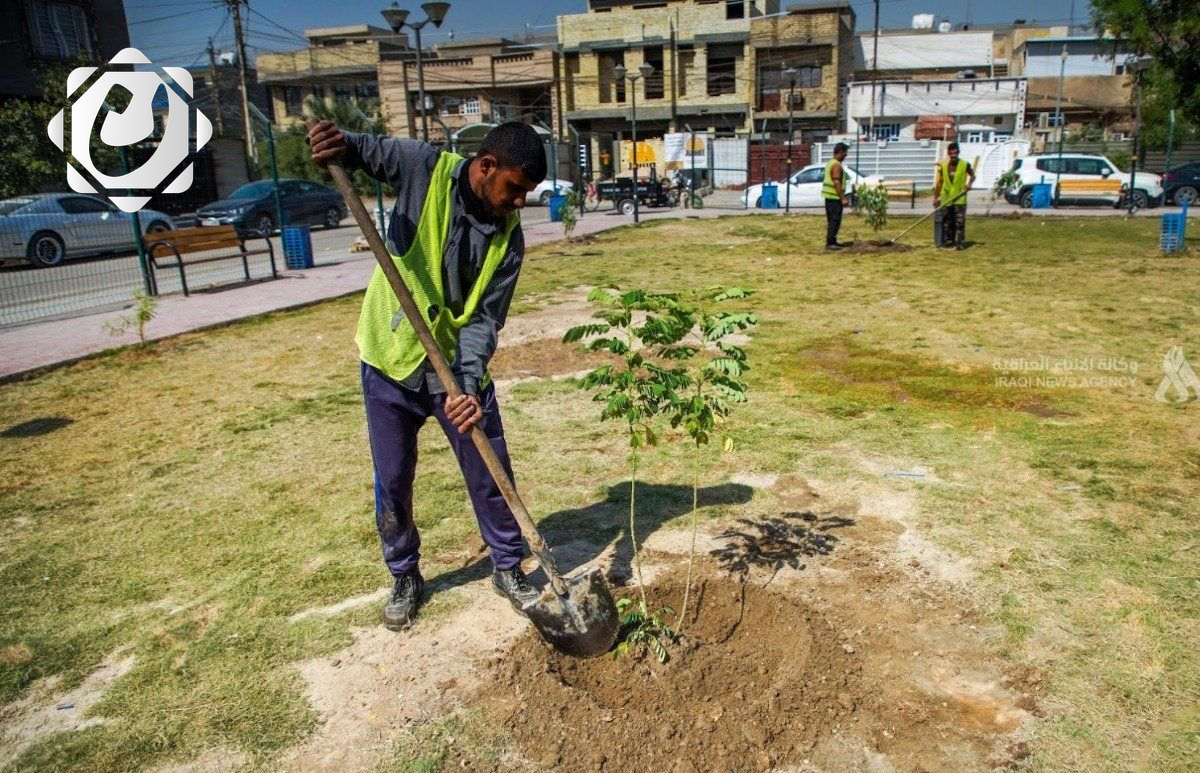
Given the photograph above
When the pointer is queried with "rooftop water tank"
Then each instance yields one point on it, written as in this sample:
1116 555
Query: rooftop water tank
922 21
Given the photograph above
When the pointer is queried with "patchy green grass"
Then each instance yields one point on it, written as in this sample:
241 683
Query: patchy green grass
207 488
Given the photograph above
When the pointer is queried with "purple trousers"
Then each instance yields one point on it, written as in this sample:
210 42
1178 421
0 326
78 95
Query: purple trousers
395 414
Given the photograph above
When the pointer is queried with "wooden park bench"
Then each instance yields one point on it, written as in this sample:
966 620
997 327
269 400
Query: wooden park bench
191 242
1090 189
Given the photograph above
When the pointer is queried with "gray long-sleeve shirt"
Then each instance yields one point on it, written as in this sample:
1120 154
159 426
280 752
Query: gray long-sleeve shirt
407 165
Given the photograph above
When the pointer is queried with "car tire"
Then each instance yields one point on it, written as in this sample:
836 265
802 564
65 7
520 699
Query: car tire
544 199
1140 199
1186 194
264 224
45 249
758 203
157 227
333 218
1025 199
625 206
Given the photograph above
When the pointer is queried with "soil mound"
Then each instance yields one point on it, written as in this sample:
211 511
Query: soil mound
756 678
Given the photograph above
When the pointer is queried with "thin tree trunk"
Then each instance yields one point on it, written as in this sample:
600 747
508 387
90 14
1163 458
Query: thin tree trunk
687 587
637 557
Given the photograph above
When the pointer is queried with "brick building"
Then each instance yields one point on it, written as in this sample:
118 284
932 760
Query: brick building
469 82
339 62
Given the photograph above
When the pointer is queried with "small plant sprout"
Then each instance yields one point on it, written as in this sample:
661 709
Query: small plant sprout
695 332
569 214
633 391
144 310
871 201
1003 183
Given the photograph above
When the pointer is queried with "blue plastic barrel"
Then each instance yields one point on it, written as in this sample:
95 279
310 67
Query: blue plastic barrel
1043 195
770 197
297 246
556 203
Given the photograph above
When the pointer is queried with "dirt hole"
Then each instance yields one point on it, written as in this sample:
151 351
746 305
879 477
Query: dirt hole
761 677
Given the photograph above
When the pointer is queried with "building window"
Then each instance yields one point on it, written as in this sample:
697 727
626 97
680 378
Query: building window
318 92
611 89
687 63
654 83
735 9
722 68
292 102
366 90
470 106
809 77
886 131
59 30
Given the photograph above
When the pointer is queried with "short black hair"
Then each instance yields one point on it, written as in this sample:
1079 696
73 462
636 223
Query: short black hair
840 147
517 144
952 146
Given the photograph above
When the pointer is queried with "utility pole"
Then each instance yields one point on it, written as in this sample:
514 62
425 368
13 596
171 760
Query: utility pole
216 86
1137 138
1058 120
874 72
235 8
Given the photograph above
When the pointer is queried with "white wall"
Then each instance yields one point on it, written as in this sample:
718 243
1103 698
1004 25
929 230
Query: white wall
975 103
926 51
1043 58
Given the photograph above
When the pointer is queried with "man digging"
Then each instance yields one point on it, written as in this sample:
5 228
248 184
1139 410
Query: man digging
455 235
951 182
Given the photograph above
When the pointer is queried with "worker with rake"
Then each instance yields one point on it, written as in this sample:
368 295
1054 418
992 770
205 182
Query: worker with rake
455 235
952 180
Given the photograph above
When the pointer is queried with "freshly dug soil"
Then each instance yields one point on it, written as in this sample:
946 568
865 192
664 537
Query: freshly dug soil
871 248
755 679
543 358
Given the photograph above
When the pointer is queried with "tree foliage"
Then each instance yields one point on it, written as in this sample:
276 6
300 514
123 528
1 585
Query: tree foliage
1168 31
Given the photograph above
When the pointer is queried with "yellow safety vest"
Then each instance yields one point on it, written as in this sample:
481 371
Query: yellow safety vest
398 352
952 187
828 189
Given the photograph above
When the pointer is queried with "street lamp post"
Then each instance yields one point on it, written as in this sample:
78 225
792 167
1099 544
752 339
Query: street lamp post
790 75
397 19
1058 120
644 71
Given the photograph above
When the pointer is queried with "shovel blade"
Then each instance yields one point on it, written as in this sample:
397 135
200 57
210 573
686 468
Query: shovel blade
584 623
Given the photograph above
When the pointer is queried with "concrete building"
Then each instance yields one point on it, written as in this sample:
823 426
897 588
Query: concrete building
703 68
817 40
967 109
925 54
49 32
1096 89
339 62
469 82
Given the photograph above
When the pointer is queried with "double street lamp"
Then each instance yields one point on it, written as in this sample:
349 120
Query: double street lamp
397 19
789 76
621 74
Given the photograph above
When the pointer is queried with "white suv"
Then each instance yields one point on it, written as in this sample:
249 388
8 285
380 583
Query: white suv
1044 168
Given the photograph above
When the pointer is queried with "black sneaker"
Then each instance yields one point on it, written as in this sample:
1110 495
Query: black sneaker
512 584
835 246
400 610
960 246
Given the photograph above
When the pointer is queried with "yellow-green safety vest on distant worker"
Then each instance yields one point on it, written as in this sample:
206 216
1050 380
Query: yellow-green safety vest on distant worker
952 187
398 352
828 189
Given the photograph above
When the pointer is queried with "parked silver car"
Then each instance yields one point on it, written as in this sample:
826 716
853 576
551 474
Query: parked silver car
47 228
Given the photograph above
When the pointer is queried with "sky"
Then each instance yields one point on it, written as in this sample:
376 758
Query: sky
176 32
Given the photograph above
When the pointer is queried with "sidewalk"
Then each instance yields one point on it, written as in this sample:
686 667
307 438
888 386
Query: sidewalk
39 345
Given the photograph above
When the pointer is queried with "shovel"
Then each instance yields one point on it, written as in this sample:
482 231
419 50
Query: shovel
576 615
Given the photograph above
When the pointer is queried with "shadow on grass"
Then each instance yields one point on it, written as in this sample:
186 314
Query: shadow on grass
35 427
580 534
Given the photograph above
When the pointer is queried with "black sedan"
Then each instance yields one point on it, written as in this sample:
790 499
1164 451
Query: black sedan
1182 184
252 207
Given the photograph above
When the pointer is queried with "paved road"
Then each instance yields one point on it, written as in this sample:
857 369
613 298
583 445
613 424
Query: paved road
89 284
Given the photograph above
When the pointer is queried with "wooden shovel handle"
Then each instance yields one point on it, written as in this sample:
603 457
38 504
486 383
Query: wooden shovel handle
507 488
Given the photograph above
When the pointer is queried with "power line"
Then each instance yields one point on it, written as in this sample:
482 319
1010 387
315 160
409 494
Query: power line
171 16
